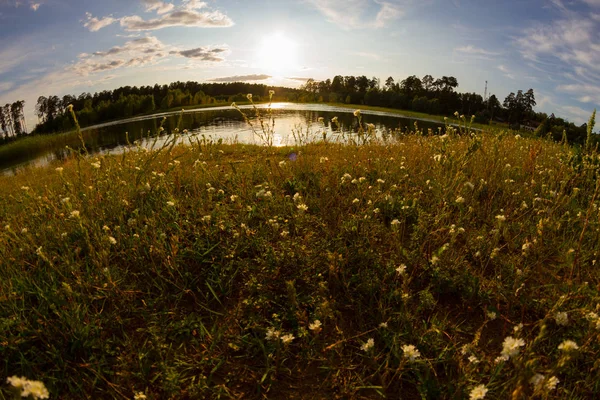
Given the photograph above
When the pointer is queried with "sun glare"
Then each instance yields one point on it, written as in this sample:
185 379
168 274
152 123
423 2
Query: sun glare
277 54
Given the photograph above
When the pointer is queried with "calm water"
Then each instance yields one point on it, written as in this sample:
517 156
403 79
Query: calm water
223 123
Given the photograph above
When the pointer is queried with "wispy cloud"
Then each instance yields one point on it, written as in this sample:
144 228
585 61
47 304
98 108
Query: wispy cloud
34 5
350 14
159 6
472 50
94 24
140 52
191 13
242 78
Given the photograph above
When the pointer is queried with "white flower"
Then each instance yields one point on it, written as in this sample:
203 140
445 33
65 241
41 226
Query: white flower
551 383
437 157
401 270
112 240
315 326
249 96
435 260
271 92
491 315
381 181
383 325
568 345
355 201
478 392
411 352
287 338
501 218
395 222
75 214
171 203
139 396
35 389
96 165
272 334
322 160
206 218
510 347
460 200
368 345
562 318
473 360
59 170
233 198
357 113
537 381
302 207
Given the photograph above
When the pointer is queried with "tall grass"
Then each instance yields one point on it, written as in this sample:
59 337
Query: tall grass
430 267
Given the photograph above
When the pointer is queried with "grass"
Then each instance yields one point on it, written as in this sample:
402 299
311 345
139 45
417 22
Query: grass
201 271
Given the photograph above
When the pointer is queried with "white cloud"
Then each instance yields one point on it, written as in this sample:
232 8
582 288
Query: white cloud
351 13
472 50
242 78
35 6
94 24
6 86
159 6
209 19
140 52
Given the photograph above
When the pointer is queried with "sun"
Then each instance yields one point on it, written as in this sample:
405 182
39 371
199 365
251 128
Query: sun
277 54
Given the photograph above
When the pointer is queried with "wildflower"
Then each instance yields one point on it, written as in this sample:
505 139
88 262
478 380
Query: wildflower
435 260
368 345
334 120
171 203
510 346
323 160
96 165
297 197
272 334
371 126
460 200
456 114
35 389
25 188
59 170
287 338
437 157
271 92
395 222
551 383
233 198
24 230
139 396
478 392
281 163
321 119
562 318
380 181
355 201
74 214
357 113
302 207
592 316
568 345
315 326
112 240
206 218
537 381
411 352
249 96
234 105
401 270
501 218
383 325
473 360
284 233
491 315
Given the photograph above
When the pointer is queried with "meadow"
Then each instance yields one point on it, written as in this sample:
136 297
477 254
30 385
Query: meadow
411 266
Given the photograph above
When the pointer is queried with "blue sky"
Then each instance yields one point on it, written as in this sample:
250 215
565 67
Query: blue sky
73 46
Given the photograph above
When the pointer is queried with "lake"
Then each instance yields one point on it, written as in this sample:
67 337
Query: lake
227 124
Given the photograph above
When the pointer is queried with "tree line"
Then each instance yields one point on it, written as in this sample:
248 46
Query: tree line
439 96
431 95
129 101
12 121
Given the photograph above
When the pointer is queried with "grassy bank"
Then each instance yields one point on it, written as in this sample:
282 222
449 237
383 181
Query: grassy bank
419 268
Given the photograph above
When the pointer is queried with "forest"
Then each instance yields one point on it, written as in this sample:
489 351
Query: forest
427 95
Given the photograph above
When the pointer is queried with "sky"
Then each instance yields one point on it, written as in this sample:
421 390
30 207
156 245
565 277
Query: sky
58 47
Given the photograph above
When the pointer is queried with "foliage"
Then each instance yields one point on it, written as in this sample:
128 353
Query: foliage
433 266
